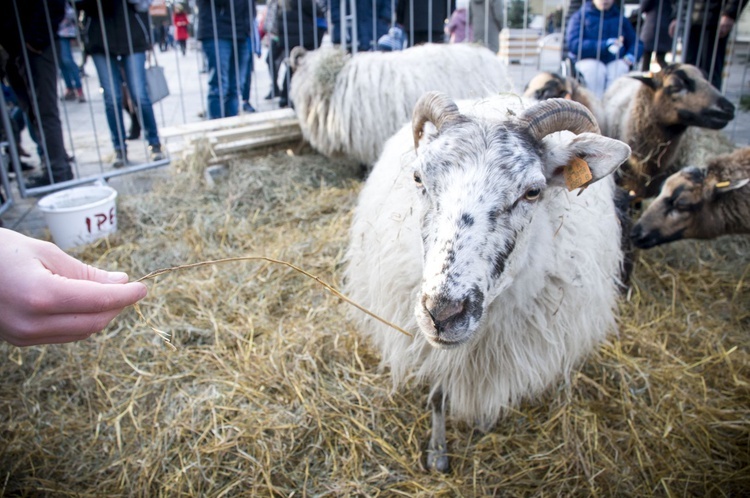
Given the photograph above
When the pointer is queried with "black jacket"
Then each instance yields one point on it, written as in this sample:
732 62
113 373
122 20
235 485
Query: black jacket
33 19
656 22
120 19
295 37
224 10
708 12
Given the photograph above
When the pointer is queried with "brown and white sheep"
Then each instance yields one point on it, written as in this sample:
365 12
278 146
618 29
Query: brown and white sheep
699 203
546 85
651 112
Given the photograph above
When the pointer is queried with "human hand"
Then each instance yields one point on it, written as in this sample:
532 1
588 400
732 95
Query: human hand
629 59
49 297
726 24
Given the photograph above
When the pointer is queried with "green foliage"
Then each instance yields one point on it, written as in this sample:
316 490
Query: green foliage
516 14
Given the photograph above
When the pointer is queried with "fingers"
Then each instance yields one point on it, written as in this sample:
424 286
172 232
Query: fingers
64 295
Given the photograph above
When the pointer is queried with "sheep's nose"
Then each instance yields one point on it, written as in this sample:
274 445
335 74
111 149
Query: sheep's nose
726 106
443 312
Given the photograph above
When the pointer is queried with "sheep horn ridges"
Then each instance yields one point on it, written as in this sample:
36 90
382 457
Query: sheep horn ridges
438 109
554 115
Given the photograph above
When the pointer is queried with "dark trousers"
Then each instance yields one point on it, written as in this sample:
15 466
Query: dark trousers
39 80
701 47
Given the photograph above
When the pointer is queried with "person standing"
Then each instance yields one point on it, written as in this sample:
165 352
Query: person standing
655 32
486 19
602 43
223 28
422 20
66 33
32 73
119 34
181 23
297 24
458 28
709 24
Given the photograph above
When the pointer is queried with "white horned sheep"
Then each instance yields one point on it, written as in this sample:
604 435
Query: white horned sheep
699 203
350 105
546 85
465 235
651 112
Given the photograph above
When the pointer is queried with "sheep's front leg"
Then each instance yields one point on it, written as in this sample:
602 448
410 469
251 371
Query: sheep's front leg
437 454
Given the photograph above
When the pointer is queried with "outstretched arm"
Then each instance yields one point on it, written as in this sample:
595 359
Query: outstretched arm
47 296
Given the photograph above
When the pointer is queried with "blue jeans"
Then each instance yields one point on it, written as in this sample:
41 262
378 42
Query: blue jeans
134 66
227 65
68 66
248 72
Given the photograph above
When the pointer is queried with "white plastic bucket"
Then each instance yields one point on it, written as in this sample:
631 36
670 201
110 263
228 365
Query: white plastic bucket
80 215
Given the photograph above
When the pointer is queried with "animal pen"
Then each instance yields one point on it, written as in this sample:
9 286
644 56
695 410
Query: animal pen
240 376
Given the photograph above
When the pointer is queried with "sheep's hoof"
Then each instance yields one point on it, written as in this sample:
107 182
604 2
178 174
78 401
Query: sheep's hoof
438 460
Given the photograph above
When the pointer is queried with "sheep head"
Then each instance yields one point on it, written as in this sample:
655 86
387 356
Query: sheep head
683 97
683 209
480 181
546 85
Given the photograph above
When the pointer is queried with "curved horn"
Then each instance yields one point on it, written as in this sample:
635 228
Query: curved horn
554 115
438 109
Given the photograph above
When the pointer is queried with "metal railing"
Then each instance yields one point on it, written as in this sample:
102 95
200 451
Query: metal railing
190 65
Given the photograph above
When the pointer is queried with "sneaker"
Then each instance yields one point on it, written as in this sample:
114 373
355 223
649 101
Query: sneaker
80 96
121 159
246 107
156 153
70 95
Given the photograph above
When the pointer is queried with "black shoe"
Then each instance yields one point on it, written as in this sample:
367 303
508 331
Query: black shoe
43 180
121 159
246 107
283 102
156 153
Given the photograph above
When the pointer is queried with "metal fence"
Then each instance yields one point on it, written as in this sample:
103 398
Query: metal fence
109 45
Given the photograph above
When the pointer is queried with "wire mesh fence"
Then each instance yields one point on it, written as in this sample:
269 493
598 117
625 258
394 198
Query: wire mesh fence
94 89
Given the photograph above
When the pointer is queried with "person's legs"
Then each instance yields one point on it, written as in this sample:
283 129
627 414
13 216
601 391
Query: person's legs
248 73
237 73
595 75
615 69
646 61
109 79
68 66
44 76
218 55
135 71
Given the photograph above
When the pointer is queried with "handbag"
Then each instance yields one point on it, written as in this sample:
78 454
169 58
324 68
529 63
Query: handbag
156 82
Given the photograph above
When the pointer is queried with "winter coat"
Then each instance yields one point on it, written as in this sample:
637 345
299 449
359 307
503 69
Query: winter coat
33 21
458 29
120 19
293 36
655 27
592 43
180 21
422 22
708 12
224 10
478 19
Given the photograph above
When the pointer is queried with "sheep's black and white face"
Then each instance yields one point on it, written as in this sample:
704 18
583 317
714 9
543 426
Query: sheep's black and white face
478 189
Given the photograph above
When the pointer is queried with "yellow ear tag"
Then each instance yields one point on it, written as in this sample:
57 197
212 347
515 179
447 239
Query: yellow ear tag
577 174
723 184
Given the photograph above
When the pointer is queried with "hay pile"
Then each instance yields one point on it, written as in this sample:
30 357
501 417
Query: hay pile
269 391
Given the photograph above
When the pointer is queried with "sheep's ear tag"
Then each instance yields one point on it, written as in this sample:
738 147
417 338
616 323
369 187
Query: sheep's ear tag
726 186
577 174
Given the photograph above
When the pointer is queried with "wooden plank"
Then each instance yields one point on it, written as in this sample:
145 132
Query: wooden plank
255 142
289 125
202 127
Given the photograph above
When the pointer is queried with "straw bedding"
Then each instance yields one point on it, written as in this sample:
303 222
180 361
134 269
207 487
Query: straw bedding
269 391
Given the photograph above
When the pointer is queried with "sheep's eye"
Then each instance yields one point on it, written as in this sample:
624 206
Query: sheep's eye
417 178
532 194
